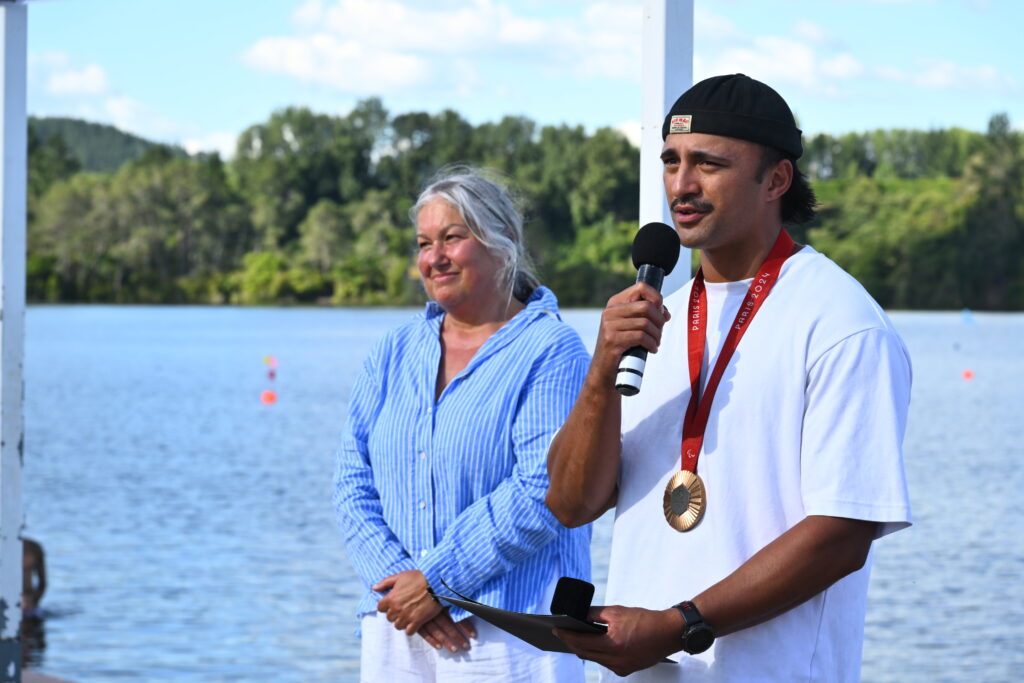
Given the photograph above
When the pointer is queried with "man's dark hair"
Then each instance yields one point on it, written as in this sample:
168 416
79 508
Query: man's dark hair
799 201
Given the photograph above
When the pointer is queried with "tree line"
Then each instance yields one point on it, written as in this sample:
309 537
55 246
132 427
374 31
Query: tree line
314 208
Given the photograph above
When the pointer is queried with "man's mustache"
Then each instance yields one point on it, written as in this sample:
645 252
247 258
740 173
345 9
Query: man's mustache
692 202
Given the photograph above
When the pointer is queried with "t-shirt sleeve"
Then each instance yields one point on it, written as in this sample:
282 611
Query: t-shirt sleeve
857 399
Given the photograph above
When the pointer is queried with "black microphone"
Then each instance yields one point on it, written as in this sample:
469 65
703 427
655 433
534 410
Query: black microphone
655 252
572 598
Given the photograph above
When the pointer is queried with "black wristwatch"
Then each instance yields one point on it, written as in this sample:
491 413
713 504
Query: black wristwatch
698 634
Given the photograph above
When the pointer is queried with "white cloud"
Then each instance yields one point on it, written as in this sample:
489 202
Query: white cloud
334 61
632 129
767 58
608 43
380 46
713 27
842 66
60 85
220 142
48 60
811 32
89 80
308 12
467 77
521 31
125 112
133 116
60 75
395 25
811 60
946 75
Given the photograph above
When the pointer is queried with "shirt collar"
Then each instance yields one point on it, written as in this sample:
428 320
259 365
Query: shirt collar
541 302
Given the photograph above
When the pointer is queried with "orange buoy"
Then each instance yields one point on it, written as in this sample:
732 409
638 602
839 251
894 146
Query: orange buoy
268 396
968 374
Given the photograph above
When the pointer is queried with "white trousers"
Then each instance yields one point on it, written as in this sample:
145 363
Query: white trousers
390 656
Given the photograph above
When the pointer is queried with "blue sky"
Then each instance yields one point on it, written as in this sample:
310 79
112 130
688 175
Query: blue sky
197 73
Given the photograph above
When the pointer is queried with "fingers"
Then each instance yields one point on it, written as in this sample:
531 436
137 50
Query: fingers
468 627
631 323
387 583
637 324
414 615
429 633
585 645
453 636
637 292
633 318
442 632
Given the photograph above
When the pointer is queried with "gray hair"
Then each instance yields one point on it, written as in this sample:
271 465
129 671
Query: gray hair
492 216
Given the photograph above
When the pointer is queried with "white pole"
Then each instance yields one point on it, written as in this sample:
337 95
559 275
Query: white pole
667 72
13 172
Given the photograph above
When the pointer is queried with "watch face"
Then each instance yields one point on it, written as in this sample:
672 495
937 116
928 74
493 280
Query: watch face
698 640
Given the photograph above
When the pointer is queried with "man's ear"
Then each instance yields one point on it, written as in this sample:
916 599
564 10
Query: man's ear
780 177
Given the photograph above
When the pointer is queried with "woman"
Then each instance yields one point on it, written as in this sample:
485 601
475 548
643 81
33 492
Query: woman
442 470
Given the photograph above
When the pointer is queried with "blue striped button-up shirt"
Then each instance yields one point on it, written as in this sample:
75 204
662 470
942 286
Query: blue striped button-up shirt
455 487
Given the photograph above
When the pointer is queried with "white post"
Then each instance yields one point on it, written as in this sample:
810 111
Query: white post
667 72
13 185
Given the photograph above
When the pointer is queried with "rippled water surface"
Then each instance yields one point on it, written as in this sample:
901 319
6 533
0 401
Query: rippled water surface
188 528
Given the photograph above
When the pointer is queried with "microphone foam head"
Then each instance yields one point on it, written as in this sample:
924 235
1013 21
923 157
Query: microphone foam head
656 244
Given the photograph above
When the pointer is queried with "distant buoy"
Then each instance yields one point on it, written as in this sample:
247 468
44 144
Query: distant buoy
968 374
270 360
268 396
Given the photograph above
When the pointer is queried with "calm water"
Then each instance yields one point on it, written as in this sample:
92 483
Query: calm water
188 528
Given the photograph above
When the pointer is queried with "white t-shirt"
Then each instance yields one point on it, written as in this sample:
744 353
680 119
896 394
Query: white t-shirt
808 420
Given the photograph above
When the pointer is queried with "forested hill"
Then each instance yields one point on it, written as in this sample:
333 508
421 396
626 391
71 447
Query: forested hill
314 208
95 146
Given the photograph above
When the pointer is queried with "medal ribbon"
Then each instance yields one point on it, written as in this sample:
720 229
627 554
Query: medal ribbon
695 421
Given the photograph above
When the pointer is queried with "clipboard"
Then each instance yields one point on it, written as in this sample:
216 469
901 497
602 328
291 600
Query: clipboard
535 629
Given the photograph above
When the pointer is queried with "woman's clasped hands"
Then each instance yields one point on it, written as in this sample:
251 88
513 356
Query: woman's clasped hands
411 608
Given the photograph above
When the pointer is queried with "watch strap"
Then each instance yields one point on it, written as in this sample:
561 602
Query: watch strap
690 613
698 634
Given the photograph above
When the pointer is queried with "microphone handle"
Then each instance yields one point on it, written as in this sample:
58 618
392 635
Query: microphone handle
634 360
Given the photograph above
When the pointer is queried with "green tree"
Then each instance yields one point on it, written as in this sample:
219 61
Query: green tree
49 160
161 229
288 164
993 231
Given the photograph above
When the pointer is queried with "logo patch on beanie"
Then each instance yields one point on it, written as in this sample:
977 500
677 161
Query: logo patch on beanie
679 123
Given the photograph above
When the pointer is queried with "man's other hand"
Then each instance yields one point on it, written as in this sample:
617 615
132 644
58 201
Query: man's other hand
636 639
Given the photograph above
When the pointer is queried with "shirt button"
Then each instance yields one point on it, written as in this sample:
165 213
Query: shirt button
423 553
423 456
422 505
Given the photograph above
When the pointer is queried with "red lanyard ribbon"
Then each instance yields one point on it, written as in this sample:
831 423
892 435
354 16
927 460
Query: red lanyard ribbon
695 421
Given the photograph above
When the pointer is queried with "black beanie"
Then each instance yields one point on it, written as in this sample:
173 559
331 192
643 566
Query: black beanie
735 106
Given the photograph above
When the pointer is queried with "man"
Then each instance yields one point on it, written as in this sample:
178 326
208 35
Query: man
744 519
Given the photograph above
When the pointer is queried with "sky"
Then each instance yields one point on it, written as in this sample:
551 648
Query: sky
199 72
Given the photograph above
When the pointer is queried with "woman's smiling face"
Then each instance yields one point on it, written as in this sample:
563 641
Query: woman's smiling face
457 270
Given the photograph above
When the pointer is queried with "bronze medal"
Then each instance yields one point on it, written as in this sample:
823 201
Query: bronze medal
685 500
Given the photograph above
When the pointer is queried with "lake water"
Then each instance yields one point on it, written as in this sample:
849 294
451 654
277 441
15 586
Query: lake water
189 533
